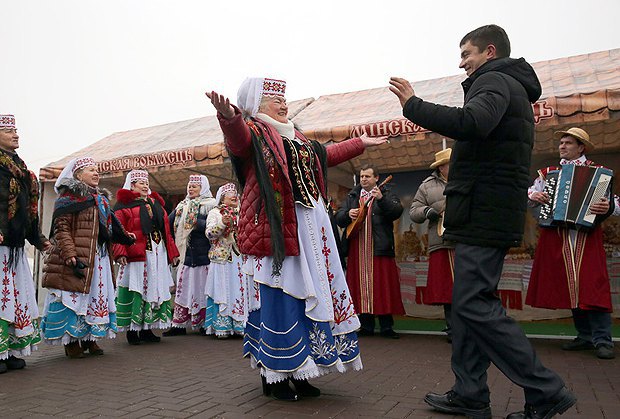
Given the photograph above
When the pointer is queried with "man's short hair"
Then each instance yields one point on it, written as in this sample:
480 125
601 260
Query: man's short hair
367 166
486 35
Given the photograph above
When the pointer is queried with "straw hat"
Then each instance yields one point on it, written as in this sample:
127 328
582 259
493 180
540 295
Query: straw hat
442 157
578 134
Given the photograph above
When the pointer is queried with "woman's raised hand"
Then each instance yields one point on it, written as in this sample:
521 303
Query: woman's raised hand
221 104
373 141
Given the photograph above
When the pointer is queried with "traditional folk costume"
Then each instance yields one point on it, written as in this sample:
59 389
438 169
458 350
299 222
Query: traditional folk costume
570 272
229 289
429 204
19 221
143 299
80 302
189 222
305 326
372 274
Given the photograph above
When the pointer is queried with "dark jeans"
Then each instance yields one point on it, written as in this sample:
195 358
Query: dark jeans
447 313
367 321
593 326
482 332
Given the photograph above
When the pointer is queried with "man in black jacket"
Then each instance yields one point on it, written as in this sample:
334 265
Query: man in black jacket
486 200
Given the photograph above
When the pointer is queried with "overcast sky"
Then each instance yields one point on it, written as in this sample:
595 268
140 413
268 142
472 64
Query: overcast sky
76 71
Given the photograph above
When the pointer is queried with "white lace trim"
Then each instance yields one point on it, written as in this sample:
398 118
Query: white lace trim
67 338
146 326
308 370
27 351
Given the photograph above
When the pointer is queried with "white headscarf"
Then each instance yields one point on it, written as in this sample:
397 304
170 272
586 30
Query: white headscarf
71 168
134 176
252 89
223 190
203 181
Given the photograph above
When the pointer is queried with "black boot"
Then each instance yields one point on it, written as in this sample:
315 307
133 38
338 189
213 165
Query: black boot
148 336
305 389
279 391
175 331
132 337
14 363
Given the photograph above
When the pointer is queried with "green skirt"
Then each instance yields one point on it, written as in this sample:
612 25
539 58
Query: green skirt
21 345
133 313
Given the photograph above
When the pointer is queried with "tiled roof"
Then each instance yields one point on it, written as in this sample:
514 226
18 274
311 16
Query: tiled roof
582 90
587 77
202 136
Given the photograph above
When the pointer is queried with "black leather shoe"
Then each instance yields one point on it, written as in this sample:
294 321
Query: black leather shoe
3 367
577 344
14 363
175 331
279 391
365 332
132 337
391 334
605 352
559 404
147 335
305 389
451 402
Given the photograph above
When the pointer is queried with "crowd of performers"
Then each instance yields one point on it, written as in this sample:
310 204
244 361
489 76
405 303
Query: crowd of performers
263 265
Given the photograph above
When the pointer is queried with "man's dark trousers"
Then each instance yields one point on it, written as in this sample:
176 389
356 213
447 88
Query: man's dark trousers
593 326
482 332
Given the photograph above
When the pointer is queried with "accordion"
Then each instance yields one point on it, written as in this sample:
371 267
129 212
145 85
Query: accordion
571 191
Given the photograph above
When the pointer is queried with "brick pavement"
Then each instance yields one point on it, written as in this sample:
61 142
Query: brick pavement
196 376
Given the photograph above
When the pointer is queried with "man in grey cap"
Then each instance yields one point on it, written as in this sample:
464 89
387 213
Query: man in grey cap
570 265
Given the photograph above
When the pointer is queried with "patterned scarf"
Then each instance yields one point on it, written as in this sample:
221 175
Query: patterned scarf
19 189
185 219
151 215
233 213
77 197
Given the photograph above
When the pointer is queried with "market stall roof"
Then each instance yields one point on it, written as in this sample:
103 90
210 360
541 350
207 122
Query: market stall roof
580 90
170 152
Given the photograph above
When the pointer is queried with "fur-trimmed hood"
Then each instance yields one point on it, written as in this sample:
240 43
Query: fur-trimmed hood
125 196
79 188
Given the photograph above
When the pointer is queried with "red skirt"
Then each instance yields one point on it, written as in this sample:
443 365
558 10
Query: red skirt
438 288
558 283
386 297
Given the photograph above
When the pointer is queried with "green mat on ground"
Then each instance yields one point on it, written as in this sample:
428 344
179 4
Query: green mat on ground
562 327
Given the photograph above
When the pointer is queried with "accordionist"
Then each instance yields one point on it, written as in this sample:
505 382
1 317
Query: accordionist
570 265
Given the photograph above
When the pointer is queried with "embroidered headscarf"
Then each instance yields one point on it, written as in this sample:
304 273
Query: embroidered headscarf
223 190
73 166
203 181
7 121
134 176
253 89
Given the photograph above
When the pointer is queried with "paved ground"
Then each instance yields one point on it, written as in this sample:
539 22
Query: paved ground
196 376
